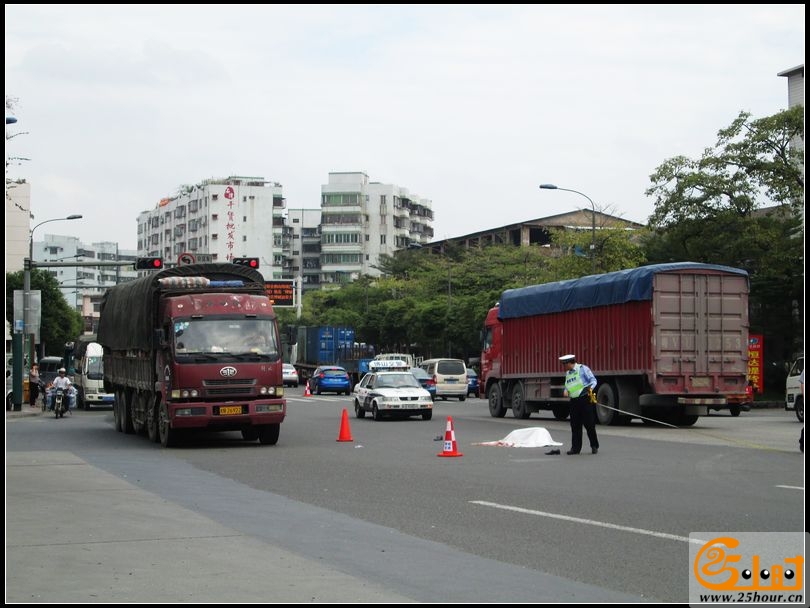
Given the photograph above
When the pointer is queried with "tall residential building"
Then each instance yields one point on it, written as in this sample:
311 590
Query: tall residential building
218 220
362 220
795 80
303 242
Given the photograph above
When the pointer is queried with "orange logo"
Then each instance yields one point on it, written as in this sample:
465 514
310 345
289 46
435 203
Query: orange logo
715 569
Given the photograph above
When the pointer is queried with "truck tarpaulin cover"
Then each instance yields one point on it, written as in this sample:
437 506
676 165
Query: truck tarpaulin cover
127 310
594 290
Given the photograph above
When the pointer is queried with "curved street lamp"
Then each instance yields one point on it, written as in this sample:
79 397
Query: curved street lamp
28 263
593 219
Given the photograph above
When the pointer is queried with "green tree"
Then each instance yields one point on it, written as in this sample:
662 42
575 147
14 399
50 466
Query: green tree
706 210
59 323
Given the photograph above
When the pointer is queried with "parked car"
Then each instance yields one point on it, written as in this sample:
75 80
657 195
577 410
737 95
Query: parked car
387 393
425 380
330 379
472 382
289 375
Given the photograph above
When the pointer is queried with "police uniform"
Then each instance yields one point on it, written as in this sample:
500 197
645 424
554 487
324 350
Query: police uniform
578 380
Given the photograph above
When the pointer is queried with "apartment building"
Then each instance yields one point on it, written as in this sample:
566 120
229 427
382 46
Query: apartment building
216 221
362 220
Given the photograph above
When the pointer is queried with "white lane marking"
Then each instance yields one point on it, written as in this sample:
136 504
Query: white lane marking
591 522
791 488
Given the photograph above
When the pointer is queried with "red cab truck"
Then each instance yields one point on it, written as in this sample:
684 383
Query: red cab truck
667 342
194 347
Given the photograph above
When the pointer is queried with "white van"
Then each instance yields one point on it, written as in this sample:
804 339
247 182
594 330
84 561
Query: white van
794 400
89 379
450 376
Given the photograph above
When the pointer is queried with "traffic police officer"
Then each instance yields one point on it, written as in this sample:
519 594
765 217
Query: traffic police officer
579 385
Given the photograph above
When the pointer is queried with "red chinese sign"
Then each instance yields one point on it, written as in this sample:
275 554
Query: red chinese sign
755 344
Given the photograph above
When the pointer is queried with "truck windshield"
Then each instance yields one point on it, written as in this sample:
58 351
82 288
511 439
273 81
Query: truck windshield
95 368
231 336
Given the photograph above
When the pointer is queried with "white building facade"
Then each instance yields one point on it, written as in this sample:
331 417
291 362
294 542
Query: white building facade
218 220
303 242
362 220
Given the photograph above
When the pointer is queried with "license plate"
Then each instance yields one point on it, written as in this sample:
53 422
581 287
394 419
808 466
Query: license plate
700 382
230 410
451 381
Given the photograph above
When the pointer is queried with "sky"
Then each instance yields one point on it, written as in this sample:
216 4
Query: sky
471 107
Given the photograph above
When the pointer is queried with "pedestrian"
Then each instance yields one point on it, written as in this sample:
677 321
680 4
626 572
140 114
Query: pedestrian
33 385
579 385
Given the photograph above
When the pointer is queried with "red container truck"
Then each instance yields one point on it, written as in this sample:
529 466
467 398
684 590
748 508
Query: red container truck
667 342
194 347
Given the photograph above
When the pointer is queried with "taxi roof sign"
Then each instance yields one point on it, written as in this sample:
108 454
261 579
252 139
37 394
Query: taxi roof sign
388 365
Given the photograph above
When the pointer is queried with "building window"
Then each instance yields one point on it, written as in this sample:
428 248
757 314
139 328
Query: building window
214 216
382 239
244 238
214 237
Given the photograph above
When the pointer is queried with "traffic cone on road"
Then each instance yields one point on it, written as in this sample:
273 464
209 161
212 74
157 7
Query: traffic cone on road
450 445
345 433
307 393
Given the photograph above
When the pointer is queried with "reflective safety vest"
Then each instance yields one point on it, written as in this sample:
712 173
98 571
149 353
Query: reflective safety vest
573 382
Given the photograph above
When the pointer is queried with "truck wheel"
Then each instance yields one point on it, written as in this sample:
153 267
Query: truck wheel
119 399
268 434
560 412
734 410
496 407
168 436
134 405
251 434
605 395
359 412
800 409
126 412
519 407
152 423
682 419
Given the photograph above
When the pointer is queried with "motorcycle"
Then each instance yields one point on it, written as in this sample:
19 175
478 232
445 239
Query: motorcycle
60 402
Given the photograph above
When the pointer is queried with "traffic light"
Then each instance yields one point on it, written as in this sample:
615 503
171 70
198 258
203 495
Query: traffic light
249 262
148 263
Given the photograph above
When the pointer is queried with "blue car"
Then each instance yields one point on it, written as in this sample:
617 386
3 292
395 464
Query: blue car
472 383
426 380
330 379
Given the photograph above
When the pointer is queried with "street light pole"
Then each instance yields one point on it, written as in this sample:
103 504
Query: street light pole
593 219
27 264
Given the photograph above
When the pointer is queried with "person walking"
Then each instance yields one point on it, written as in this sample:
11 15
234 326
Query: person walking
33 385
579 385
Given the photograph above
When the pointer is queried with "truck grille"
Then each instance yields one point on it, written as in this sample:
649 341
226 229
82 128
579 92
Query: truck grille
225 387
230 382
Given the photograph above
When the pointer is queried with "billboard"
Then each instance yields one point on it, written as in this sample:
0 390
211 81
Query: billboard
281 293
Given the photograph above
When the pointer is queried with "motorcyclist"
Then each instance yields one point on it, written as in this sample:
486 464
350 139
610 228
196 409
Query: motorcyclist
63 382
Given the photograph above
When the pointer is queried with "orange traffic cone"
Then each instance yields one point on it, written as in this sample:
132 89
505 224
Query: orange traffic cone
450 445
345 433
307 393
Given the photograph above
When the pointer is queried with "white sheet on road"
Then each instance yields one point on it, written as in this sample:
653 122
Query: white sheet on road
533 437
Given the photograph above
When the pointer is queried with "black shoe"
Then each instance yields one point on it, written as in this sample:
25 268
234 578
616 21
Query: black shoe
571 452
553 453
594 450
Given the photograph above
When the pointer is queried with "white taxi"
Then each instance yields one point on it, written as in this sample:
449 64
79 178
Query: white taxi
390 389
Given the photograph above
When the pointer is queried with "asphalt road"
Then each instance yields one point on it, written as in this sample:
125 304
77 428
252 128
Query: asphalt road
381 518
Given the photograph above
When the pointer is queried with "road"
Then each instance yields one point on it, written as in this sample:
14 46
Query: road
382 518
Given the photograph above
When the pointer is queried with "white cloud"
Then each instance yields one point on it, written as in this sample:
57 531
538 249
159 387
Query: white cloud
471 107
